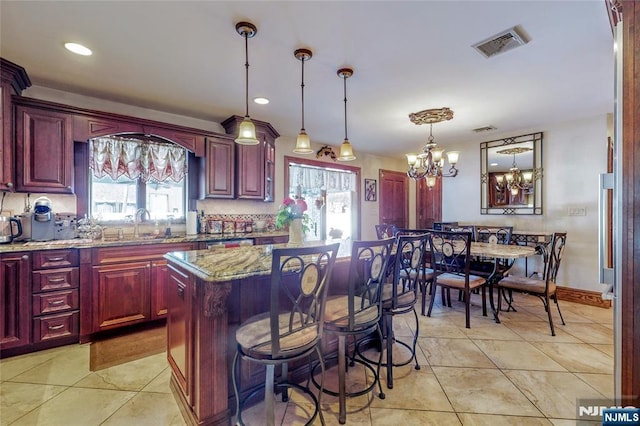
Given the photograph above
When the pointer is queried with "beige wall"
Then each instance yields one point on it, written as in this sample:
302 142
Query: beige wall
574 154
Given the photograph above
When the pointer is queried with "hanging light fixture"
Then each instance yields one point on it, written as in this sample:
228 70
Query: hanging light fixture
303 144
346 151
247 130
516 179
430 162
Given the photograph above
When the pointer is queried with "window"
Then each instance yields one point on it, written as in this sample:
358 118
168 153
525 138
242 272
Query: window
332 194
127 174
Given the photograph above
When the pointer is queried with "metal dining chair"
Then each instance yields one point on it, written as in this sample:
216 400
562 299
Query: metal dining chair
292 328
545 288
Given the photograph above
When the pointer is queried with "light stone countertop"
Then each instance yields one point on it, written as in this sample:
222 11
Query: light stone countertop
227 264
87 243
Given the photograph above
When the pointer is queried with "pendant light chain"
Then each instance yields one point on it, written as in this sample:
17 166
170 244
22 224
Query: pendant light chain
344 77
246 74
302 91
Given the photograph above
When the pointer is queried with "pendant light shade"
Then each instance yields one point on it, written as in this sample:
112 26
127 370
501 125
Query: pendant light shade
247 130
346 151
303 144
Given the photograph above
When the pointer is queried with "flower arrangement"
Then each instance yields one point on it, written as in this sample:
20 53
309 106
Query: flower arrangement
293 209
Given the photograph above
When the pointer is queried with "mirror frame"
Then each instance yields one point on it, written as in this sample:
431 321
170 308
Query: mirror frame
536 208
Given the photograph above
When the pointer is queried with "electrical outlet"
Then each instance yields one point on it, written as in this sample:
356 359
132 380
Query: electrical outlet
577 211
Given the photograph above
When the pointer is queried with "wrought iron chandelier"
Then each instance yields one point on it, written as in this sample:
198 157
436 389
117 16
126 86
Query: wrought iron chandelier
429 163
515 179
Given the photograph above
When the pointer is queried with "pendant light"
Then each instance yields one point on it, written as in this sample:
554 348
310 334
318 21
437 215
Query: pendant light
247 130
303 144
346 151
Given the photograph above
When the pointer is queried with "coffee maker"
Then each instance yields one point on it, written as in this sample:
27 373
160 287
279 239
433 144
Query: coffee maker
42 220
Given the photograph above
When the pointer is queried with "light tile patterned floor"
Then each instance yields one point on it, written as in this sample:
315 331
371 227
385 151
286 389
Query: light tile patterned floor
492 374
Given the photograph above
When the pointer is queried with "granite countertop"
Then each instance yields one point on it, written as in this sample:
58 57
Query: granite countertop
221 265
87 243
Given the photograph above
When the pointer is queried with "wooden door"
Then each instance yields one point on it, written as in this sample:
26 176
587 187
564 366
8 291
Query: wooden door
428 204
394 198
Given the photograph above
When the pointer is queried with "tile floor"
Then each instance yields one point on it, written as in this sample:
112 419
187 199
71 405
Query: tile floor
491 374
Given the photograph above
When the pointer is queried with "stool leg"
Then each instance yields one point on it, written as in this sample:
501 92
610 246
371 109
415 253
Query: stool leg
321 390
342 367
389 327
285 379
381 395
235 387
269 397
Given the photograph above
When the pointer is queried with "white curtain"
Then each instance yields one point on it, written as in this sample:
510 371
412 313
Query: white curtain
116 156
312 177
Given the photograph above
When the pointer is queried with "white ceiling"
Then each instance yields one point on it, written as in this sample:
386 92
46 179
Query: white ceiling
186 58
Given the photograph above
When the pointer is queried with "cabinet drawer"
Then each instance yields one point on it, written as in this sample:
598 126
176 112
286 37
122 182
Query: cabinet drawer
55 301
54 279
55 258
109 255
55 326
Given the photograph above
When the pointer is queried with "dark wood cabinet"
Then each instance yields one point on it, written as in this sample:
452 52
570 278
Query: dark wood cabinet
87 127
219 168
15 294
13 80
55 297
44 150
255 164
179 296
279 239
129 286
159 277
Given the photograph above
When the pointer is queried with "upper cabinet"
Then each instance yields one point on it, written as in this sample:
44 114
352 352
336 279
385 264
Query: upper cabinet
219 167
14 80
255 164
44 150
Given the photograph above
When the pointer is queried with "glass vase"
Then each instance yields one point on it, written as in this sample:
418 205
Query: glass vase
295 232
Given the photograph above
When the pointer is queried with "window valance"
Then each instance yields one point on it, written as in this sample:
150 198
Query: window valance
117 156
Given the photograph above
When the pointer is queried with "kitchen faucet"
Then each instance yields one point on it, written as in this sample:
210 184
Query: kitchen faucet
140 213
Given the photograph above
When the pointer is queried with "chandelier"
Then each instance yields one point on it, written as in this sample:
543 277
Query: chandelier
346 151
303 144
430 162
515 179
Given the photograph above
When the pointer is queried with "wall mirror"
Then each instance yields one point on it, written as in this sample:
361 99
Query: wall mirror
511 175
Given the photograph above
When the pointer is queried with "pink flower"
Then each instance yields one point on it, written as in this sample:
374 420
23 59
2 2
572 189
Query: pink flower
301 206
288 202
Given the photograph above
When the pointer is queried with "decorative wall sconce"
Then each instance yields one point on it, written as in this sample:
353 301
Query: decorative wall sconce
326 151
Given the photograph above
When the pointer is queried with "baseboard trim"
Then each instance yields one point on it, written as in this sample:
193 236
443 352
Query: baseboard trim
585 297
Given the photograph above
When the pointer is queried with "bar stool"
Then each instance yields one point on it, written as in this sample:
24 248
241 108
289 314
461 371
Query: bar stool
292 328
358 312
400 295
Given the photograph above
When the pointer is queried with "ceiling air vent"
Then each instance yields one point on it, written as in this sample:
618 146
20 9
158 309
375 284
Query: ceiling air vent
502 42
484 129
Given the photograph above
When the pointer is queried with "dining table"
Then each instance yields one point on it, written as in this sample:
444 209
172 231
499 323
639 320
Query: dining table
499 252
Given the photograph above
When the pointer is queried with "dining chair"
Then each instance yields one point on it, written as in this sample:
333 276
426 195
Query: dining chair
385 231
451 260
489 267
358 313
426 272
292 328
545 288
399 296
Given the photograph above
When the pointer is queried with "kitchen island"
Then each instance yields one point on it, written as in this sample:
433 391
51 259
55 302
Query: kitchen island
210 293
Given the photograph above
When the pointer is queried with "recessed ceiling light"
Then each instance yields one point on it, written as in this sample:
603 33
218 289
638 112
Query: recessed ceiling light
261 101
78 49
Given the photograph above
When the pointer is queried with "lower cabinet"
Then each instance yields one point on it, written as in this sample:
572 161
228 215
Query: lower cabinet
179 296
15 300
122 294
130 286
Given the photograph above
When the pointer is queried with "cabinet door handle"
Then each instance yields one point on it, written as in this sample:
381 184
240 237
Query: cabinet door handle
25 257
56 280
56 327
9 184
56 259
56 302
181 290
